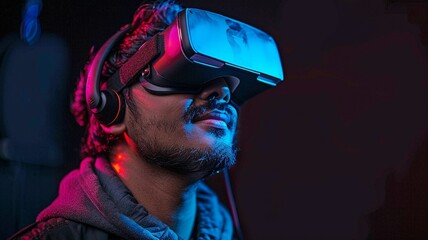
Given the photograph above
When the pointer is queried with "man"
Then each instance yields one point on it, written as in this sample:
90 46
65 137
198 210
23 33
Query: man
141 173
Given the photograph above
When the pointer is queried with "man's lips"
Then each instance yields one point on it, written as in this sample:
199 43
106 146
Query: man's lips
214 117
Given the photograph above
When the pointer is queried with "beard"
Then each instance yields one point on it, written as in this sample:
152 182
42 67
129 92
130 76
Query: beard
178 158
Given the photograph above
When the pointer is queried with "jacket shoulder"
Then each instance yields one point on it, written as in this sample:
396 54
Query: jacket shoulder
61 229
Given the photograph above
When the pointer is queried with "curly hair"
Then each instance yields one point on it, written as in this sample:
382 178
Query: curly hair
150 18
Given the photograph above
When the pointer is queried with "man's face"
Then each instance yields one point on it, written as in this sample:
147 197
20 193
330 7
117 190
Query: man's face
185 133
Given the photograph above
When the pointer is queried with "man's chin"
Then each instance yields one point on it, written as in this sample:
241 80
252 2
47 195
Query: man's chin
211 140
202 159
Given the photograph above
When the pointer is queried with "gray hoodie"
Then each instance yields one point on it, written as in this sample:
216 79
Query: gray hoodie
95 195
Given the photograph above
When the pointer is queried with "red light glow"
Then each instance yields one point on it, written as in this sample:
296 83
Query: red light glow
116 167
118 162
129 141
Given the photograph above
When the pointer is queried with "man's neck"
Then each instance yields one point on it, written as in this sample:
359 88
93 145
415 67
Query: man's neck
169 196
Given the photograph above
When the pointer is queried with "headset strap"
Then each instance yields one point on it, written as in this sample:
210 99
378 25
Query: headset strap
150 50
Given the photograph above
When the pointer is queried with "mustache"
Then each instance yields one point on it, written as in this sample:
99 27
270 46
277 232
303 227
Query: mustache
195 111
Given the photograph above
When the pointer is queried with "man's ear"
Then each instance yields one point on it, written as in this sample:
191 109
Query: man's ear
115 129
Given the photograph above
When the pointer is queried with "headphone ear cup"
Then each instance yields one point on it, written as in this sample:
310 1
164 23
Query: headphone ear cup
113 107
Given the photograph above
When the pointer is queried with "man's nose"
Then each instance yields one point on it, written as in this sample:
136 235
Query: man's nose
217 89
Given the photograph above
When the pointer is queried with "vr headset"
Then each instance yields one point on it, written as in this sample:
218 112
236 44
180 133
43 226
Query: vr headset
199 46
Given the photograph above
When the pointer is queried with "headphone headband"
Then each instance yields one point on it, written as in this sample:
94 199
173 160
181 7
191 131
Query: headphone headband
93 98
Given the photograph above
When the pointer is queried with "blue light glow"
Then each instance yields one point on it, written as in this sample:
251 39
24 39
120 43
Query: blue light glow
30 26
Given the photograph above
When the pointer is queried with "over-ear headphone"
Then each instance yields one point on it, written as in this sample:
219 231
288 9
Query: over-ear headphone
108 105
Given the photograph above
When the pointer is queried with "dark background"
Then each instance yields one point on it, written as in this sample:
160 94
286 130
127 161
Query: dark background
338 151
